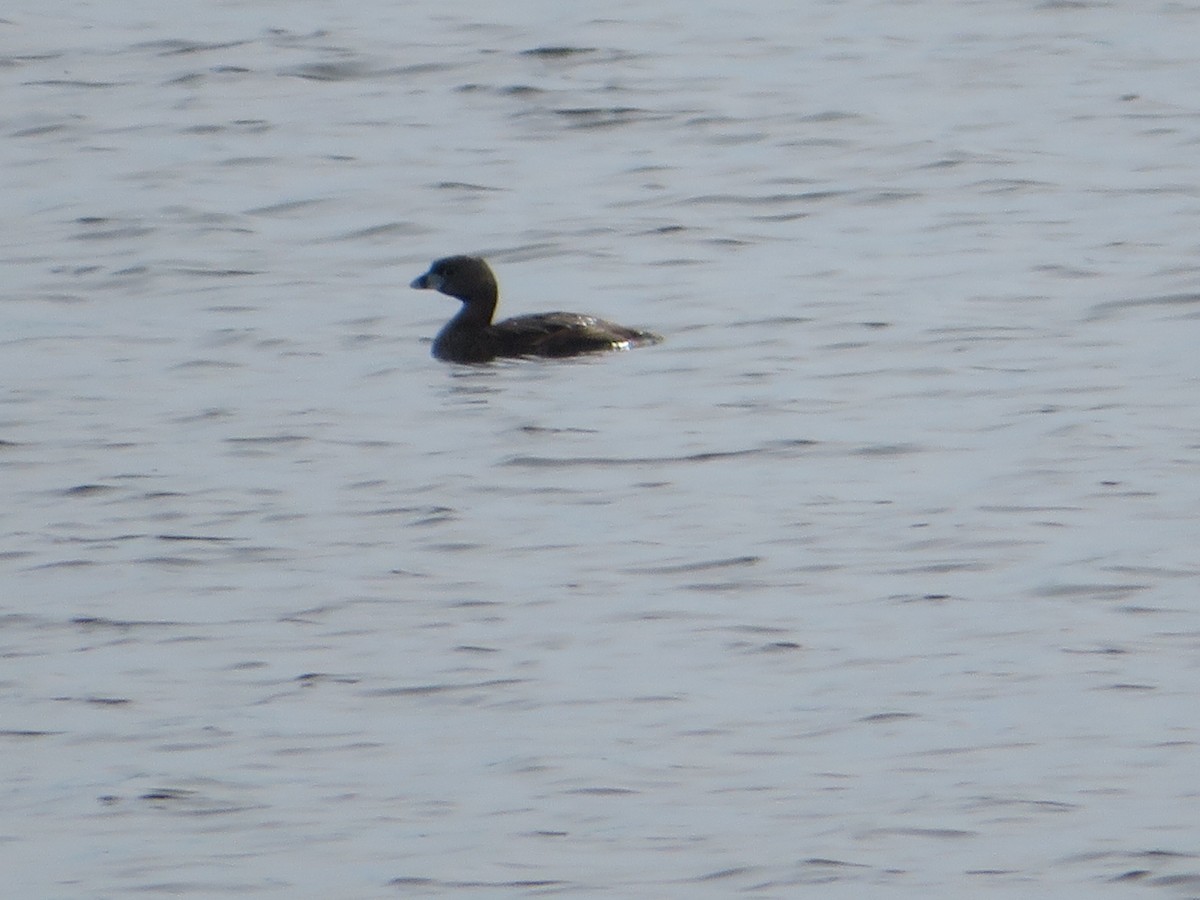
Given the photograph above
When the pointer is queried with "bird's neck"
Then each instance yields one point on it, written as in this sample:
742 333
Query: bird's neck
478 311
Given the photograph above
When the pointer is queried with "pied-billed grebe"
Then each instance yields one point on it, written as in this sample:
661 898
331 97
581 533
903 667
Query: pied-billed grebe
470 337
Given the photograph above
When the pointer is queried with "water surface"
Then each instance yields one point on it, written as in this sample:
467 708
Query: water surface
877 578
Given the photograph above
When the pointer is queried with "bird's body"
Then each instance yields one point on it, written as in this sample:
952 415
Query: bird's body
472 337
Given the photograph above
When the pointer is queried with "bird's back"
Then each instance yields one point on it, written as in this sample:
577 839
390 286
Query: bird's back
564 334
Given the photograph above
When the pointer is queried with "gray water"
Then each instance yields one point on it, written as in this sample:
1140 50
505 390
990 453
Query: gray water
877 579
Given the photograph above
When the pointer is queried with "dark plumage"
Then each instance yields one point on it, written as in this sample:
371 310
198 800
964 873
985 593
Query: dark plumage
471 337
